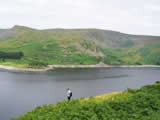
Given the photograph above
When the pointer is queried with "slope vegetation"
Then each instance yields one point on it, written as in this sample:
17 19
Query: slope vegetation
78 46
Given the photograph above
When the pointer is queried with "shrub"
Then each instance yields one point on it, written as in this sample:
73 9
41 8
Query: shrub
158 63
38 64
131 90
157 82
138 63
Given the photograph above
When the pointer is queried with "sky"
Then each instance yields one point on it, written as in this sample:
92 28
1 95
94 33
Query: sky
128 16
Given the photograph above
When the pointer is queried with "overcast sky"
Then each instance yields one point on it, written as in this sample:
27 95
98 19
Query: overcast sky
129 16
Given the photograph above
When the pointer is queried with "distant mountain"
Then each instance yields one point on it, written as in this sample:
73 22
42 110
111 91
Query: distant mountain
102 38
68 46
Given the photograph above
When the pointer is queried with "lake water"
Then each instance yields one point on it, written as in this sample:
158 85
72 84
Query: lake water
21 92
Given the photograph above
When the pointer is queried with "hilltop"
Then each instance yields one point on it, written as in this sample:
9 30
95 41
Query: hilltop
78 47
139 104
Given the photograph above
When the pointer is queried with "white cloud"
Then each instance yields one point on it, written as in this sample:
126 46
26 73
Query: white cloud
138 16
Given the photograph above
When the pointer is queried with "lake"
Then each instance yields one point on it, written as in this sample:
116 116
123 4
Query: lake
21 92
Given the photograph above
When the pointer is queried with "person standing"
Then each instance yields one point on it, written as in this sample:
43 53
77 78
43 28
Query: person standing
69 94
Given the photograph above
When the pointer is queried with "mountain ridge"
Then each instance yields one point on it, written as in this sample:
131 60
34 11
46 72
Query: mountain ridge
112 38
47 29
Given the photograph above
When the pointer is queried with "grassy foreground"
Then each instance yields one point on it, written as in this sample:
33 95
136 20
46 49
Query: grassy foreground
140 104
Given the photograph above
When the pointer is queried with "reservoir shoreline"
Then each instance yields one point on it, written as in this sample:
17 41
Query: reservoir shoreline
52 67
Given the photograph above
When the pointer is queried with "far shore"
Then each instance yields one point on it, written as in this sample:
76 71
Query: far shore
51 67
24 69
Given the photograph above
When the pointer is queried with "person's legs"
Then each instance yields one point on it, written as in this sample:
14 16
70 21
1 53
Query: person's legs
68 98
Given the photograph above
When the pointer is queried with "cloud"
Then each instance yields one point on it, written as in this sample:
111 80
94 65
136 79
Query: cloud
137 17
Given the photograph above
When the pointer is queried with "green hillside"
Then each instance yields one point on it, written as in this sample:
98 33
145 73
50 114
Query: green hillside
140 104
77 47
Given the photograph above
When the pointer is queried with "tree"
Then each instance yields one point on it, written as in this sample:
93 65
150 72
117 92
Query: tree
11 55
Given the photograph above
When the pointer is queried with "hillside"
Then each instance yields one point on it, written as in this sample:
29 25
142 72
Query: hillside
5 34
140 104
77 46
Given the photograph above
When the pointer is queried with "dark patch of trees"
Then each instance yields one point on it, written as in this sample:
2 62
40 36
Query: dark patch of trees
138 63
11 55
158 62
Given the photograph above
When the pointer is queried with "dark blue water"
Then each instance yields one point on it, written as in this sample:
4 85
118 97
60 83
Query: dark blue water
21 92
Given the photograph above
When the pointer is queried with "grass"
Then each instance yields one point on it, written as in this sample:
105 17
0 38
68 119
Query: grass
139 104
